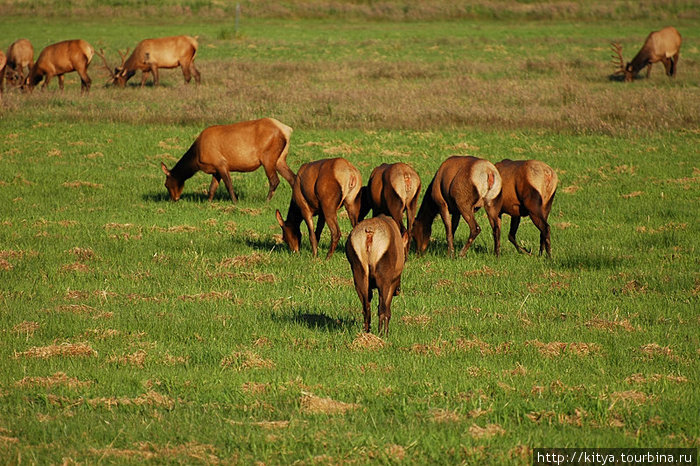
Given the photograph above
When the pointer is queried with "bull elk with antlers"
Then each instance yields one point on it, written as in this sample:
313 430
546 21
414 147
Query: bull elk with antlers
663 46
61 58
152 54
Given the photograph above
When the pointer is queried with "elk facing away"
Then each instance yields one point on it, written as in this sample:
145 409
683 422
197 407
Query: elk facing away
60 58
663 46
391 190
240 147
20 55
461 185
375 250
320 188
152 54
529 187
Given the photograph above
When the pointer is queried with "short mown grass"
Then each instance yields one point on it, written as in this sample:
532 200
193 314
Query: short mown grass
138 329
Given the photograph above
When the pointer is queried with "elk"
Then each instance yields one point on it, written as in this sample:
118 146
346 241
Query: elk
663 46
152 54
461 186
240 147
60 58
375 249
391 190
528 189
20 54
320 188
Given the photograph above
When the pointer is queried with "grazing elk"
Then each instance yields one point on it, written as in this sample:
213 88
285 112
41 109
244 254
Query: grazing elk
391 190
320 188
461 185
152 54
60 58
240 147
375 249
663 46
20 55
528 189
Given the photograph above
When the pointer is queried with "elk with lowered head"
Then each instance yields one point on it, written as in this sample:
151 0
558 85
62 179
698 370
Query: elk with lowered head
461 185
320 188
61 58
393 189
663 46
240 147
528 189
153 54
375 249
20 55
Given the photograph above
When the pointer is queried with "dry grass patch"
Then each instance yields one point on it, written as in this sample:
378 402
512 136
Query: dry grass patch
484 348
255 387
244 260
246 360
558 348
26 328
175 229
150 398
210 296
420 320
444 416
653 378
57 379
312 404
654 349
634 396
82 254
367 341
191 452
488 431
136 359
75 267
483 271
64 349
632 194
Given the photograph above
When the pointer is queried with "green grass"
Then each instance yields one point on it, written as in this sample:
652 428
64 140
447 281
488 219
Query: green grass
198 337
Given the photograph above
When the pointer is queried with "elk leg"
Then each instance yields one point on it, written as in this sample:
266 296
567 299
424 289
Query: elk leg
312 236
46 81
186 72
514 224
362 287
156 78
215 179
85 81
144 76
224 174
333 226
450 227
543 226
195 73
386 294
649 69
493 214
272 179
319 226
330 199
474 228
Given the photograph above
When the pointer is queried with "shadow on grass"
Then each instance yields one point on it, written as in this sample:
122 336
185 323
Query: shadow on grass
315 321
163 196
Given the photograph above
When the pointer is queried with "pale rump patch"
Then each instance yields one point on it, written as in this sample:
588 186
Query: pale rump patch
486 180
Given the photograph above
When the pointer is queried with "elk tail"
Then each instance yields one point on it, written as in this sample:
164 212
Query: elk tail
281 164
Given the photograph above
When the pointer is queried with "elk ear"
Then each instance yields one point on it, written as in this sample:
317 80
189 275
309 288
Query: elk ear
280 220
165 169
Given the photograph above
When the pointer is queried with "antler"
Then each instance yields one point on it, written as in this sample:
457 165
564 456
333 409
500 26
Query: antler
123 56
101 54
617 58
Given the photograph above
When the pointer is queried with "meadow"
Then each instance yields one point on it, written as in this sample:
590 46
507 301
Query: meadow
136 329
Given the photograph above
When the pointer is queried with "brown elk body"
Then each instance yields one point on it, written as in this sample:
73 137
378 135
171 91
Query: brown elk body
393 189
528 189
59 59
240 147
20 55
375 249
461 185
663 46
153 54
320 188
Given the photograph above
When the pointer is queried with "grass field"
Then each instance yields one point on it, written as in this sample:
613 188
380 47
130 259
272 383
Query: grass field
135 329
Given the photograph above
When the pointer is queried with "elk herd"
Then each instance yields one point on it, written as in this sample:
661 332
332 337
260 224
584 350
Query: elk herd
150 55
376 248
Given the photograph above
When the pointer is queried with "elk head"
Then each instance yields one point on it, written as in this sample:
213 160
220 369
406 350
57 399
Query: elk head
617 60
116 75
